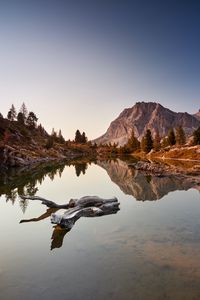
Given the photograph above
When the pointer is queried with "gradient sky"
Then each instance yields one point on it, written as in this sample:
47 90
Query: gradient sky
78 64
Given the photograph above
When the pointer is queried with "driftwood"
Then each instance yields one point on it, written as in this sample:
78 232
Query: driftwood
69 218
88 206
46 202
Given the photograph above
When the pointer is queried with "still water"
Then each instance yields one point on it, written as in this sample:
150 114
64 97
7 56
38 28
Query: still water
149 249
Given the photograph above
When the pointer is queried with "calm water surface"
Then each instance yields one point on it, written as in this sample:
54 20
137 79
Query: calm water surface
150 249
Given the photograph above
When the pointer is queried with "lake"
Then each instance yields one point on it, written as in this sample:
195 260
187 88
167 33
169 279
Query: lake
149 249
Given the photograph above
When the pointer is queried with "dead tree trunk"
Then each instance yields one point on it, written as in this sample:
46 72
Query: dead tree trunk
88 206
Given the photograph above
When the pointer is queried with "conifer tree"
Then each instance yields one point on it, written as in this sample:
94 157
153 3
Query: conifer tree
20 118
42 130
133 144
180 136
78 137
147 141
24 111
31 119
11 113
196 136
156 142
171 137
83 138
60 137
53 133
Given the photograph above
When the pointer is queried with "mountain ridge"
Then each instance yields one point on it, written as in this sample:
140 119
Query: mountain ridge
147 115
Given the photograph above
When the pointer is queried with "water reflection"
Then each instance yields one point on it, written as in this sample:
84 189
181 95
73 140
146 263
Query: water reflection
146 187
25 180
58 236
80 168
89 206
149 250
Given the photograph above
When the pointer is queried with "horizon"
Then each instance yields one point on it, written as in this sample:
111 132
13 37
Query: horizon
67 138
78 65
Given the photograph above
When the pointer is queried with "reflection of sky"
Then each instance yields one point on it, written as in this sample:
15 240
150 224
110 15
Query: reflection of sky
100 256
73 62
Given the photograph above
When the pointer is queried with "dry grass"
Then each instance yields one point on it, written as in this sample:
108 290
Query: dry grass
183 153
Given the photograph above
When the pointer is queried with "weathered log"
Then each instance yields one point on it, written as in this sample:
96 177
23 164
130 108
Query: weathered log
88 206
69 218
85 201
90 201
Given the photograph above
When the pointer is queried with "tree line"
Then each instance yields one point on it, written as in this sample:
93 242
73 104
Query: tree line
26 118
174 137
23 116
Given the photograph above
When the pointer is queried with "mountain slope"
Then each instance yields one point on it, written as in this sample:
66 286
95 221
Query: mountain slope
143 116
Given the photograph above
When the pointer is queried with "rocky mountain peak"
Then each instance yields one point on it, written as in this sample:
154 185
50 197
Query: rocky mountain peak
147 115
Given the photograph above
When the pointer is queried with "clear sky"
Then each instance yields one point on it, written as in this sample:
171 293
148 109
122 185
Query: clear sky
78 64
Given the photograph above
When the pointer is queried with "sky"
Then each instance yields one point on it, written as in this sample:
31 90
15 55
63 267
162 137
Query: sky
78 64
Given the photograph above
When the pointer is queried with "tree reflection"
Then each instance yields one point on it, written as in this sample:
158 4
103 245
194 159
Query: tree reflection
25 180
80 168
23 204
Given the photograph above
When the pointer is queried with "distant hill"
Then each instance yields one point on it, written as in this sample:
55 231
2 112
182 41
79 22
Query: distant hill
147 115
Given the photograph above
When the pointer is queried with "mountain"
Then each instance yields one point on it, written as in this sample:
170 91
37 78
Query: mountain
147 115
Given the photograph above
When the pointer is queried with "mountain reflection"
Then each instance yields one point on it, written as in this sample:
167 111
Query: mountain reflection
146 187
26 181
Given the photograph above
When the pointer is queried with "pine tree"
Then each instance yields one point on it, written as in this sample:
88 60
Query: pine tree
11 113
24 111
42 130
147 142
20 118
133 144
83 138
60 137
180 136
50 142
156 142
171 137
53 133
78 137
23 204
196 136
31 119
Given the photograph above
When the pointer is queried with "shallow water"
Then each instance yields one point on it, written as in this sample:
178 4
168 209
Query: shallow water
150 249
